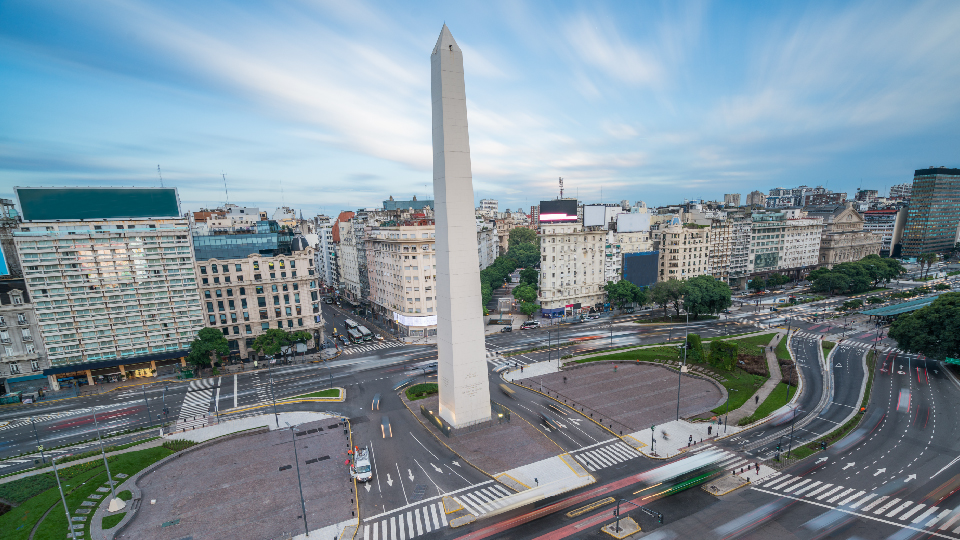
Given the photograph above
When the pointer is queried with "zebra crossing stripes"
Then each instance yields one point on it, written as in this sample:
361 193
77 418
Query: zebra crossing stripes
196 403
861 502
410 524
481 501
605 456
354 349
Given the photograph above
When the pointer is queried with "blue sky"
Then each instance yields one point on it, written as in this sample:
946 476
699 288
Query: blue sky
326 105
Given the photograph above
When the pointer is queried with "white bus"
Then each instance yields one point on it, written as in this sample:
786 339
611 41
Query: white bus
366 334
351 325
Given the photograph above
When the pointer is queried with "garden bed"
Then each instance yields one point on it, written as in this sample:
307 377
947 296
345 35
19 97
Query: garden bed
421 391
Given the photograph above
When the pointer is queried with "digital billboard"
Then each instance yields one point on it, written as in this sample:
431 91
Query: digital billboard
633 222
594 215
558 211
3 263
50 204
641 268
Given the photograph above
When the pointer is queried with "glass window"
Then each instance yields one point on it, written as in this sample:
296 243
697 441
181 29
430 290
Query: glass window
262 301
296 286
259 289
239 268
284 287
257 277
276 300
203 269
213 268
216 280
233 317
289 323
243 291
229 292
295 273
273 288
283 274
247 328
256 265
236 330
286 299
273 275
293 264
220 305
289 312
213 319
205 281
246 316
276 312
281 265
231 304
263 315
219 293
206 294
299 312
296 298
270 265
280 325
264 326
226 279
299 322
243 303
223 318
209 306
226 331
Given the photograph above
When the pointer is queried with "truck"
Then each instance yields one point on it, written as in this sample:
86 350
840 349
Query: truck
361 469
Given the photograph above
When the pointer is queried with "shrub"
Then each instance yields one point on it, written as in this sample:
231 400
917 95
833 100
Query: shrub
723 354
422 390
695 346
177 445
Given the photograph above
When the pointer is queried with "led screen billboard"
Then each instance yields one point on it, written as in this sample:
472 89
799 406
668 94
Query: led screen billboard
641 268
49 204
558 211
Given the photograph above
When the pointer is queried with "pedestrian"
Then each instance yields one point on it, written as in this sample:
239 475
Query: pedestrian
521 369
756 400
709 430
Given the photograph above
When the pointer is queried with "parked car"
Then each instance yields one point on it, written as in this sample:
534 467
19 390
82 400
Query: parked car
378 337
629 310
506 329
592 317
530 324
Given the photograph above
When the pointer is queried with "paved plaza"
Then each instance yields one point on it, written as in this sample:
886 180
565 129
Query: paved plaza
631 397
241 488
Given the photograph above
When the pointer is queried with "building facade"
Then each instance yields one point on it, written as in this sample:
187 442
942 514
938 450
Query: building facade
785 241
403 273
349 263
571 268
823 199
844 237
115 294
731 199
934 212
756 198
488 243
684 249
901 191
888 223
22 355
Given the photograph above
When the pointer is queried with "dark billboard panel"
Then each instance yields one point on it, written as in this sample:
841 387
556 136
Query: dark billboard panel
558 211
48 204
641 268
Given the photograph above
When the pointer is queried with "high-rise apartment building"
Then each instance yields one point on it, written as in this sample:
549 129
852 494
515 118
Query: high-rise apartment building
111 274
253 281
488 242
756 198
571 267
403 276
488 208
785 241
934 212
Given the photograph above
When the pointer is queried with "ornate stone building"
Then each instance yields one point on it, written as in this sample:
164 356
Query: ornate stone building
844 237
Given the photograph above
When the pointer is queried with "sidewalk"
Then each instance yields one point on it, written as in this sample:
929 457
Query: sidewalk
248 423
679 434
752 404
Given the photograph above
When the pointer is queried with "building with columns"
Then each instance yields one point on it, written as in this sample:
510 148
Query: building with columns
844 237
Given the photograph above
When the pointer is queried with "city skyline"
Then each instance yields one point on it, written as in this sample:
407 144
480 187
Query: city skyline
333 101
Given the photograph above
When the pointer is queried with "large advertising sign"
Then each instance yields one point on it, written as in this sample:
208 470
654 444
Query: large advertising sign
593 215
641 268
764 261
558 211
47 204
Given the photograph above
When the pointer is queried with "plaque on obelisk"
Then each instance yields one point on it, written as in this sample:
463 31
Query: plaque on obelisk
462 365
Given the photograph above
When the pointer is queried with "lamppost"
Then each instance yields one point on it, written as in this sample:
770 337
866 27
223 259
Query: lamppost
272 394
296 459
726 415
796 413
73 533
104 455
143 389
686 344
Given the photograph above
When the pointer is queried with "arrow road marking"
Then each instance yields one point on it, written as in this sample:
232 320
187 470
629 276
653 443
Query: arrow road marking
457 463
911 477
410 473
848 466
821 460
838 365
368 487
389 480
439 470
879 471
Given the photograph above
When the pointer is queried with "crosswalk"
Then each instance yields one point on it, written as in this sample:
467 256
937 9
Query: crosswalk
409 524
865 502
605 456
196 403
483 499
356 349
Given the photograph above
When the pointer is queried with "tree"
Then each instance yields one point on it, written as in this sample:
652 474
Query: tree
933 331
271 342
522 235
209 346
526 255
664 293
926 259
528 308
757 284
300 336
705 294
624 292
777 280
525 293
941 287
529 276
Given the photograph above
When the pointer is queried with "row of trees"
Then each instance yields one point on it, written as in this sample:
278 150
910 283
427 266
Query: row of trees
523 251
700 295
211 345
526 291
926 259
857 276
773 280
933 331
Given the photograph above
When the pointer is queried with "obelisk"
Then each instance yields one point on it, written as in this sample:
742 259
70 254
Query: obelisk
462 365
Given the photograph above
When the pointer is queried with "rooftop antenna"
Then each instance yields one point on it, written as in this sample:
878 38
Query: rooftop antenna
225 186
561 187
160 175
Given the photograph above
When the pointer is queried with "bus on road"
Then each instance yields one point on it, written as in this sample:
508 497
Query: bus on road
350 324
367 335
354 336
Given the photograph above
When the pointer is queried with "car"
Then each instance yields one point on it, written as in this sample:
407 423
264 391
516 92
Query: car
343 338
507 329
592 317
530 324
378 337
385 428
629 310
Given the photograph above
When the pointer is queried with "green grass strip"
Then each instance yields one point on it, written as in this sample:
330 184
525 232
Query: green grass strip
778 398
112 521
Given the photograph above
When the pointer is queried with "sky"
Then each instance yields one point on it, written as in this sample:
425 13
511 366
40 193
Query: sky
325 106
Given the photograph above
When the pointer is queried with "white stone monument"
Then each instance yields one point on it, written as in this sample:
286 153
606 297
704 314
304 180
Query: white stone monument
462 366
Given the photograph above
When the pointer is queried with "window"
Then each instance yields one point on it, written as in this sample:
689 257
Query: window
273 275
209 307
231 304
213 268
293 264
203 269
299 322
261 301
236 330
219 293
216 280
283 274
284 287
243 303
246 316
264 326
35 365
256 266
296 298
273 288
276 312
220 305
240 278
257 277
276 300
295 273
243 291
229 292
289 313
17 299
239 268
263 314
296 286
259 289
213 319
270 265
286 299
14 368
226 279
298 310
289 323
247 326
206 281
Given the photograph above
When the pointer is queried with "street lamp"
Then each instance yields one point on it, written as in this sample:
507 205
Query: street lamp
686 330
726 415
104 455
73 533
296 459
43 458
143 389
272 394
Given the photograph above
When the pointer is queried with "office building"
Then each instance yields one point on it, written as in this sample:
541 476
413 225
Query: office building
888 223
111 274
402 273
934 212
901 191
785 241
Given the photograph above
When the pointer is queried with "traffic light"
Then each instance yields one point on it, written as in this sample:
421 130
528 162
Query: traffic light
659 518
823 445
778 447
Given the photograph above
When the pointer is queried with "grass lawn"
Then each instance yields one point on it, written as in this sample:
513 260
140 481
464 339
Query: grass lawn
39 493
740 387
827 346
111 521
125 495
781 350
752 344
652 354
778 398
422 390
328 393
